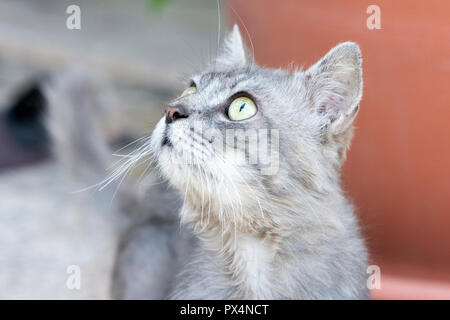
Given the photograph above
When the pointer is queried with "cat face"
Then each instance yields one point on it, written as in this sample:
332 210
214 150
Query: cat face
240 132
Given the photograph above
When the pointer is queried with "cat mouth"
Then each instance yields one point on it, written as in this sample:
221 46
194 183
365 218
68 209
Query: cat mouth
165 141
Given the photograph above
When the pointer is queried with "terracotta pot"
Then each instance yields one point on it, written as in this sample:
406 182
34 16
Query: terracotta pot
398 168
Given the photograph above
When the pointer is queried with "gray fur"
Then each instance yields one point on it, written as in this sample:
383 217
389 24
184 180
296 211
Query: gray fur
151 251
288 235
80 110
79 119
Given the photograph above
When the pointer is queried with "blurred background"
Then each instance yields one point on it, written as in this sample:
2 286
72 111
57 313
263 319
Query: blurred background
397 171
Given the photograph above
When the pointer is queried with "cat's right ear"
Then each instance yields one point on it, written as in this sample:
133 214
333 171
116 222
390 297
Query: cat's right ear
233 53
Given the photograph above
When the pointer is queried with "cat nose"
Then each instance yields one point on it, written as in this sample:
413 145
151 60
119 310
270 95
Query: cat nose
174 113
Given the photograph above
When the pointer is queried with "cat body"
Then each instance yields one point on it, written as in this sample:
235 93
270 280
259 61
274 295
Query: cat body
276 229
287 234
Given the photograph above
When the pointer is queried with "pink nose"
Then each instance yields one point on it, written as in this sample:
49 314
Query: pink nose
174 113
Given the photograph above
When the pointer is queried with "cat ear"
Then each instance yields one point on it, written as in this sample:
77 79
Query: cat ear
233 53
334 85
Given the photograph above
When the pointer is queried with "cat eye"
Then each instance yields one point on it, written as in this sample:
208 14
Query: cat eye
191 90
241 108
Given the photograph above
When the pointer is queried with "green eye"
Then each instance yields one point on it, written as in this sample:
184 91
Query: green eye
190 90
241 108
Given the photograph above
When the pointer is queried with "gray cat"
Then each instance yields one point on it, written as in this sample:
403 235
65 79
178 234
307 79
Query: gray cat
80 119
272 226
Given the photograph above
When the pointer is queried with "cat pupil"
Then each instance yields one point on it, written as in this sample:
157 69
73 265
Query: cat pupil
242 107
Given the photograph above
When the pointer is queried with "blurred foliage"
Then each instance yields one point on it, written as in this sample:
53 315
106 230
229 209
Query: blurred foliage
158 5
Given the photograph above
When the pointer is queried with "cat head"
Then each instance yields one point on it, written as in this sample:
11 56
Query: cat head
241 134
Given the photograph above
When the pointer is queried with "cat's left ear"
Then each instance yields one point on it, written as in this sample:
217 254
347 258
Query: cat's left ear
233 53
334 85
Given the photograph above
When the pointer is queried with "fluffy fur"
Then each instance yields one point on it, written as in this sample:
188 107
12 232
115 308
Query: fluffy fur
291 234
285 231
80 118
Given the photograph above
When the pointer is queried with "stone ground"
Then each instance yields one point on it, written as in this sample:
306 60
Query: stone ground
44 228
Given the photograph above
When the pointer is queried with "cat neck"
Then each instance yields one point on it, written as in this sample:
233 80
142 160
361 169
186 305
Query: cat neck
244 254
248 250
